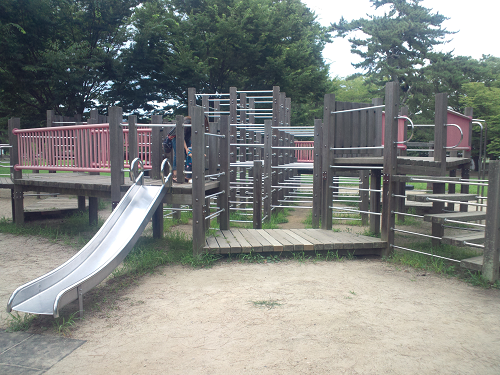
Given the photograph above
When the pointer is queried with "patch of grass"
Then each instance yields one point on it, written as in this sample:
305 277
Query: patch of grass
63 325
251 257
18 322
300 256
369 233
72 230
269 304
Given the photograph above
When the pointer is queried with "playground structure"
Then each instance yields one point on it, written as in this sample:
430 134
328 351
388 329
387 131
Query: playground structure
251 164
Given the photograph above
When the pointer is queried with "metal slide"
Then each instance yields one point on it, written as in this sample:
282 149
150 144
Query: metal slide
96 260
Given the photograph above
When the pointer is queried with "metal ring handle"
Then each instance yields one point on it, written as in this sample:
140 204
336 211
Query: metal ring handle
461 135
166 173
132 175
412 129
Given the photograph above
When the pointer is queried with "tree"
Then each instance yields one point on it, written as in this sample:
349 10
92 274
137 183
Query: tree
397 45
60 54
215 44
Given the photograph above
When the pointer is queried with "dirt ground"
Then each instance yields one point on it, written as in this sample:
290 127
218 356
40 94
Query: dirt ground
361 316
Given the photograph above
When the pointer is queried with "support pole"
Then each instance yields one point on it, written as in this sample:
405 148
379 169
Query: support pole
268 138
327 159
116 152
156 148
317 180
390 164
223 199
492 231
199 209
257 194
17 192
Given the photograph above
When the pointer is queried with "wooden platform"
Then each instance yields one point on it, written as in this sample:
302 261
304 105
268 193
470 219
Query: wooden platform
235 241
411 165
84 184
473 264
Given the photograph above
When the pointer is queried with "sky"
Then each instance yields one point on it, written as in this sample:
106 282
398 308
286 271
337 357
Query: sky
476 23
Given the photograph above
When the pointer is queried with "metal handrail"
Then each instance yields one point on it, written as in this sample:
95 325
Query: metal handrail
412 129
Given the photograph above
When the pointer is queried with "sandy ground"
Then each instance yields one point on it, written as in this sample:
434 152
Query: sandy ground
351 317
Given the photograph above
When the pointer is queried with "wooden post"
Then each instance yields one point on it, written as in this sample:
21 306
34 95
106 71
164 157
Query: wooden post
191 100
268 138
440 132
257 194
156 148
492 230
317 180
326 160
179 140
198 143
17 192
156 160
116 152
133 148
179 148
93 210
223 199
390 164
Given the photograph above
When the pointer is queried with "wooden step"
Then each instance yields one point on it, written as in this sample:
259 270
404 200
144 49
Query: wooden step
474 263
449 197
459 240
459 216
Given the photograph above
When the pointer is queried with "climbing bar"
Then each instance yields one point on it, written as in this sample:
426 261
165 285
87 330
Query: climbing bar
360 189
216 135
464 223
214 214
213 95
451 201
355 148
215 194
291 206
359 109
255 92
420 252
177 209
357 211
406 214
415 233
215 175
472 244
355 167
446 182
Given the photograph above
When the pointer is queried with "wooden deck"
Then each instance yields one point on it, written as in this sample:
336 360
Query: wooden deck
235 241
84 184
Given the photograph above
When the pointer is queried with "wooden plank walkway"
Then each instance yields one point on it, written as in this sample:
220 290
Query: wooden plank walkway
237 240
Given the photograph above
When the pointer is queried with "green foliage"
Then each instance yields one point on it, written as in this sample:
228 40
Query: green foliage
354 89
63 324
60 55
215 44
397 43
18 322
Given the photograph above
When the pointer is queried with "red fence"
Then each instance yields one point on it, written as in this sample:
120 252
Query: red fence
307 154
79 148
